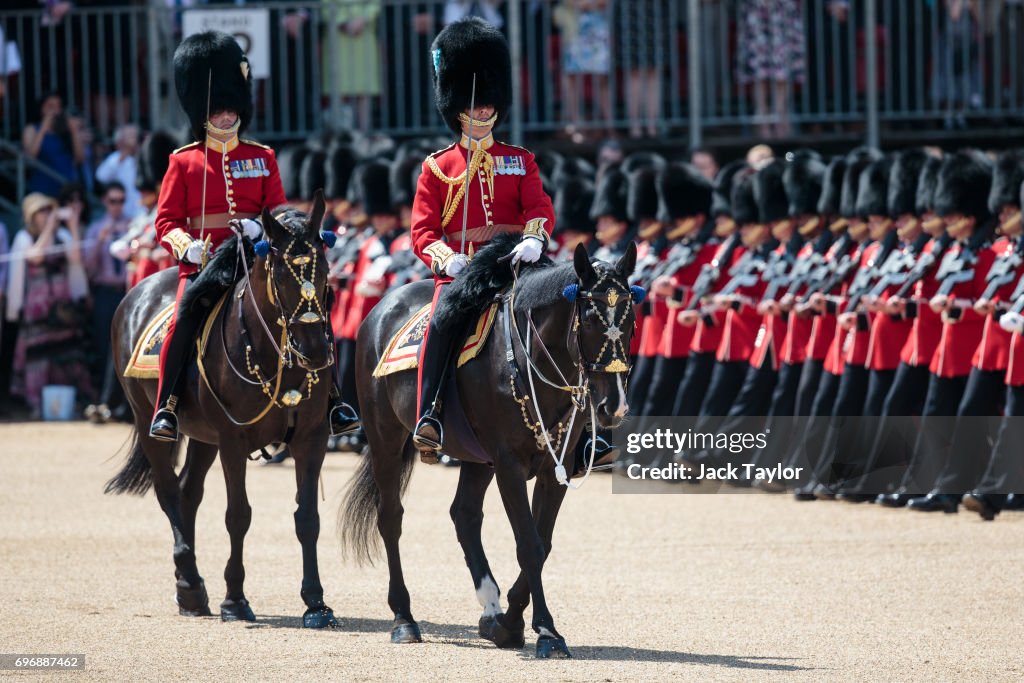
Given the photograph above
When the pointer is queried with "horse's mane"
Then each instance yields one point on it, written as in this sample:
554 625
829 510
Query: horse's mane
219 275
476 286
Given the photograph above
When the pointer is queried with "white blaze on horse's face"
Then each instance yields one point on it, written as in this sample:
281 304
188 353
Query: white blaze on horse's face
489 596
623 405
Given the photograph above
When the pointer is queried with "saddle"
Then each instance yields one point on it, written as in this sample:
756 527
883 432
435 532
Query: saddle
145 359
403 349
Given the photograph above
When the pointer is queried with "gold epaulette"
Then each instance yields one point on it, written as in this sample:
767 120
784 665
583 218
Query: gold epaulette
255 144
182 149
441 151
505 144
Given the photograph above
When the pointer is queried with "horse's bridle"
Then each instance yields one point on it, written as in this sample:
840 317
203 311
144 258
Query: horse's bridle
285 349
612 358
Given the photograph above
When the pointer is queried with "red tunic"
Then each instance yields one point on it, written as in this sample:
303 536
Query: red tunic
771 334
888 334
960 338
505 195
844 346
926 327
651 327
241 179
993 353
368 283
793 350
740 328
677 338
1015 365
707 338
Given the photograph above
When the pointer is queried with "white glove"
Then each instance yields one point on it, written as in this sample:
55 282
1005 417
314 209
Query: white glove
456 265
251 228
1012 322
121 249
194 253
528 250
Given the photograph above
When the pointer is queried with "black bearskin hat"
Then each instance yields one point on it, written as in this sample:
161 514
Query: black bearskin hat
903 181
744 206
404 174
1007 180
212 62
721 198
802 180
769 193
611 195
572 167
375 188
682 192
832 187
643 195
153 160
341 159
463 48
637 160
313 175
965 181
572 206
873 189
856 162
926 184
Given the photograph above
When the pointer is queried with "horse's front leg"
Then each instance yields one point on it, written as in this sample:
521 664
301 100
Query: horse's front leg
309 452
237 518
533 543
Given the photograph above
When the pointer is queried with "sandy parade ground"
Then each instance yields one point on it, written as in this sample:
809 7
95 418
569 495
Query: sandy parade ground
643 587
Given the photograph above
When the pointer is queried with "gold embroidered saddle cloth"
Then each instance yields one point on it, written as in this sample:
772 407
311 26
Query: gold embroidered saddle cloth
145 360
403 350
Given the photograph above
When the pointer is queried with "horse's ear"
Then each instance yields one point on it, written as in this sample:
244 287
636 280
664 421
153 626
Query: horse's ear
316 214
584 268
627 263
270 226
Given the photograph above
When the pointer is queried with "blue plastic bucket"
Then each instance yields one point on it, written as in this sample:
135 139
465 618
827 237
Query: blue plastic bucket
58 402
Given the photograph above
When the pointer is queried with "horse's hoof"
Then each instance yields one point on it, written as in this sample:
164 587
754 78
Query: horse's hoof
493 630
193 602
236 610
552 648
406 632
319 617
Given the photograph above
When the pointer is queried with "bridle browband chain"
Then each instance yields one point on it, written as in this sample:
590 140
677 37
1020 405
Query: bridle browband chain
284 349
618 363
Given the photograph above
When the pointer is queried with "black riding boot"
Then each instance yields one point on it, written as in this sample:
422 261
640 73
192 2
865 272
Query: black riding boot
342 416
186 326
429 434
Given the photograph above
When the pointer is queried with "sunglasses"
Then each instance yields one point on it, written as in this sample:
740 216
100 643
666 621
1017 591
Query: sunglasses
115 200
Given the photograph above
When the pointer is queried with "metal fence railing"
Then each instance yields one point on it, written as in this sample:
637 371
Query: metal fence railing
638 67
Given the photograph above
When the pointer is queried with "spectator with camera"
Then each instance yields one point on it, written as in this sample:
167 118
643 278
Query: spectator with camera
56 143
46 293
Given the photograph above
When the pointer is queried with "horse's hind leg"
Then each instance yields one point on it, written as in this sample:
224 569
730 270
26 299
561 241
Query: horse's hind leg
389 455
468 516
190 589
239 514
198 459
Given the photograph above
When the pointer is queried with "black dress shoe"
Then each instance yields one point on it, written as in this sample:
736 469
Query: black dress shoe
894 500
936 502
805 493
982 504
855 497
343 419
1014 502
822 492
164 427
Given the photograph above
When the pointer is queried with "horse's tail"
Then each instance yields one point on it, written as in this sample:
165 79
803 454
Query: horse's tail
357 517
136 477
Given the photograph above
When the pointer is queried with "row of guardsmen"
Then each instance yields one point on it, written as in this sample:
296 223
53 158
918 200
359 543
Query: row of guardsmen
854 291
868 284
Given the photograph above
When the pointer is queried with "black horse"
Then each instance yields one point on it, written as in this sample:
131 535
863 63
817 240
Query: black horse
262 377
571 322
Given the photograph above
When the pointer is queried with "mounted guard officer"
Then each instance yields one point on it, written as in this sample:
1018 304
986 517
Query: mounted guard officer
213 187
471 191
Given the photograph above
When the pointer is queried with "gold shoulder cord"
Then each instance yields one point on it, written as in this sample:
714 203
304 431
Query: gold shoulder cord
482 160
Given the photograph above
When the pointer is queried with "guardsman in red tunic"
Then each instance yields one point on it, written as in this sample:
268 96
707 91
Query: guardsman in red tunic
961 199
707 322
684 206
212 188
504 193
965 463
